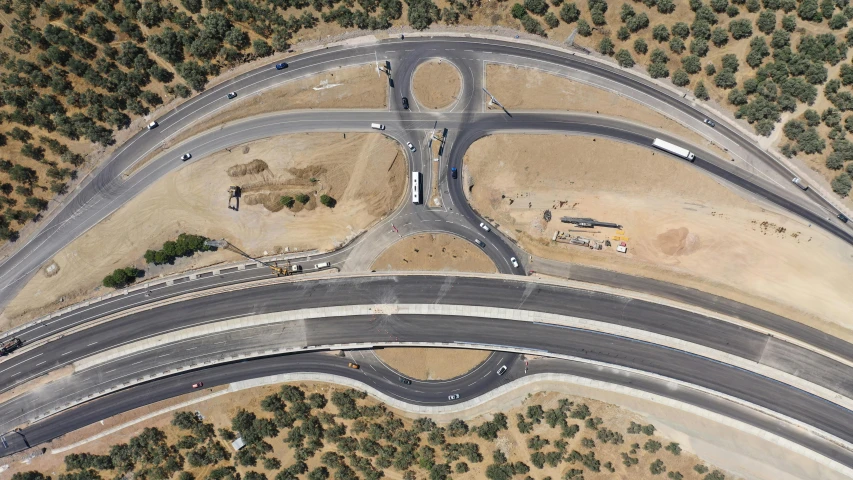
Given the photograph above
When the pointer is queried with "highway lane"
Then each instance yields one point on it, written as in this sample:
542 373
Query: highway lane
608 349
94 200
416 289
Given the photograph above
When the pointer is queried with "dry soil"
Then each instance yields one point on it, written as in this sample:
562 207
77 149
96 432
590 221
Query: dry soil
436 84
511 442
680 224
366 173
432 363
434 252
529 89
350 87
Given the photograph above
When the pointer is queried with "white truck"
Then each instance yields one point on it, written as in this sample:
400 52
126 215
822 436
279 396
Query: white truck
674 149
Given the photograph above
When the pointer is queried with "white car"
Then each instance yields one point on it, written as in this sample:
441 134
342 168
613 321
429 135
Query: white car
411 147
186 157
485 227
502 370
455 396
153 125
514 262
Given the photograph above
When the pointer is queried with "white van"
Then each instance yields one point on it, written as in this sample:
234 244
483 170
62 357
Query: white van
377 126
323 265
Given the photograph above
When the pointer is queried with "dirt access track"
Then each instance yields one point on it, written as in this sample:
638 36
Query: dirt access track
366 173
681 225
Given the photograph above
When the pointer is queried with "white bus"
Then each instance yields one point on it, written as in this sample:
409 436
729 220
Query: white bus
673 149
416 187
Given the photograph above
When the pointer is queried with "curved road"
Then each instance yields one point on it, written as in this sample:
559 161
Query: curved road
107 190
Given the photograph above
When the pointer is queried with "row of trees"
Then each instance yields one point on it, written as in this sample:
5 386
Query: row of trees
374 440
184 246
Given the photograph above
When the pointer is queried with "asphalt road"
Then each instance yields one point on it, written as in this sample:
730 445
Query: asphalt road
464 291
483 331
106 190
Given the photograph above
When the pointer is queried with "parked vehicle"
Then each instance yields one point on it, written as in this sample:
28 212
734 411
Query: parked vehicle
280 66
186 156
232 95
502 370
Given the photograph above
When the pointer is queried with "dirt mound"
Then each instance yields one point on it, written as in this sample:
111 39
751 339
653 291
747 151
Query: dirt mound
678 242
254 167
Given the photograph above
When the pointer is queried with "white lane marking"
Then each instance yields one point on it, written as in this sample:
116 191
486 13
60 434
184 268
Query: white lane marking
93 343
19 363
66 353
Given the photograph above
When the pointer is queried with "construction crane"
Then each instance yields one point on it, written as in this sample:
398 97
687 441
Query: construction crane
277 270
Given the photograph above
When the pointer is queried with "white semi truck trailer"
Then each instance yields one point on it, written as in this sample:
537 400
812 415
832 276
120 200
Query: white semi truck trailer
674 149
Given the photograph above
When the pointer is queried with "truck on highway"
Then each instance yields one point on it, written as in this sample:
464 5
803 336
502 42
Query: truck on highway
9 346
673 149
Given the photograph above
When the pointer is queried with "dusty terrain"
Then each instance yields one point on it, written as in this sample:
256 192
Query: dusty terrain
511 442
686 229
350 87
434 251
436 84
535 90
194 199
432 363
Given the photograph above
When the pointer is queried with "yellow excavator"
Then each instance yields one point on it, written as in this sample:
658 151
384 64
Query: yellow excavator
285 270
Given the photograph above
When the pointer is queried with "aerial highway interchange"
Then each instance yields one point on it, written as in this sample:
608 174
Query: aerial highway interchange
47 348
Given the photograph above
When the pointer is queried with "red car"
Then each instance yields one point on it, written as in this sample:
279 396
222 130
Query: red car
198 385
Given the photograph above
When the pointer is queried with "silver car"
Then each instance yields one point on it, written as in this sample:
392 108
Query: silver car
485 227
455 396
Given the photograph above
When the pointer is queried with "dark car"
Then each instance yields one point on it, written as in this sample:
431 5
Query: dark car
232 95
405 103
405 381
710 122
842 217
280 66
453 173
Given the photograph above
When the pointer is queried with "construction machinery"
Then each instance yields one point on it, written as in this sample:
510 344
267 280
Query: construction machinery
279 271
234 194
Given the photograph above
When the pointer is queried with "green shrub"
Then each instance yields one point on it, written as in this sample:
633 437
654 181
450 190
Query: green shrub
328 201
287 201
121 277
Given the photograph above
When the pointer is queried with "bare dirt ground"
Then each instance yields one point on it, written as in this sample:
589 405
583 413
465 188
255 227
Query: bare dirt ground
522 88
434 252
350 87
432 363
365 173
511 442
436 84
681 226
